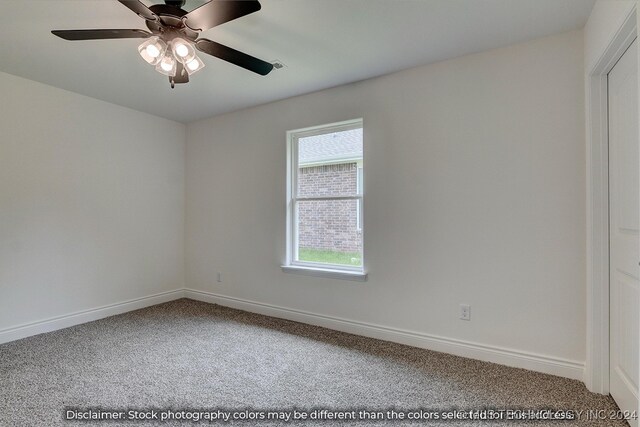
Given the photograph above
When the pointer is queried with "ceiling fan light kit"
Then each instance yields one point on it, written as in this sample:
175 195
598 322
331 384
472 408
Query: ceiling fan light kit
174 38
156 52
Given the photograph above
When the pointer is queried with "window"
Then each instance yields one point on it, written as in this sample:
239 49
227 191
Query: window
325 200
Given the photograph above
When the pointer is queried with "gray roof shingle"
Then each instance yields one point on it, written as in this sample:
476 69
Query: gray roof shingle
330 147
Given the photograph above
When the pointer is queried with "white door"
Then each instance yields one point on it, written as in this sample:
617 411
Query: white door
624 224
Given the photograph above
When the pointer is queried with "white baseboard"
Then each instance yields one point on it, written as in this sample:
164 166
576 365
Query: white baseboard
504 356
84 316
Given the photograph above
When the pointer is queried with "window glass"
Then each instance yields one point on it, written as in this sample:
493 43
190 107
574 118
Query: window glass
325 215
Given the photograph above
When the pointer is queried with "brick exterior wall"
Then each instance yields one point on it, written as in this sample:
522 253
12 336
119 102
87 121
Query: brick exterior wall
329 224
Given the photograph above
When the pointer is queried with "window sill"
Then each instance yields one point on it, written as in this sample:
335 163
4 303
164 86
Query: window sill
326 272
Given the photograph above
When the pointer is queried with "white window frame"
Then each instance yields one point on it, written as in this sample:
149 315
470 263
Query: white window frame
292 265
360 187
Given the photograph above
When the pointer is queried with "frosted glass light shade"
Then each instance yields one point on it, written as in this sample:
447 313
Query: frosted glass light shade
152 50
194 65
167 65
182 50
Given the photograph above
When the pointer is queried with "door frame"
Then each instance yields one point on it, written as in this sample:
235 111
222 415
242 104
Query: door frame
596 374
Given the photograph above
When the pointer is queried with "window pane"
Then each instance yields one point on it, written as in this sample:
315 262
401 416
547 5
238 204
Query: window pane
328 164
327 232
328 180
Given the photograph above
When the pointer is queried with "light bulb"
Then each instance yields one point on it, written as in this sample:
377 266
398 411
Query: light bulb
153 51
194 65
182 50
167 63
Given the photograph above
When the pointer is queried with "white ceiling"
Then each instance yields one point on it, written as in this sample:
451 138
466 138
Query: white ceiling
323 43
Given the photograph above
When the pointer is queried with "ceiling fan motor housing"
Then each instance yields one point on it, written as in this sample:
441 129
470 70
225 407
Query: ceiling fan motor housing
170 24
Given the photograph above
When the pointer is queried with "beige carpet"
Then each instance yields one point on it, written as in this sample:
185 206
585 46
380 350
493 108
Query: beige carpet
206 359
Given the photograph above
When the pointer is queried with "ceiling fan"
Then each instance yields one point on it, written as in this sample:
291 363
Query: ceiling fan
171 45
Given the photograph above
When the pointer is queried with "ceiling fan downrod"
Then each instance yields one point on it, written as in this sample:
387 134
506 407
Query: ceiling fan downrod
175 3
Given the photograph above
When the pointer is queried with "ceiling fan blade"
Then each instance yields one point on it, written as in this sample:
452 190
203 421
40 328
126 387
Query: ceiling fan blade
218 12
181 74
234 56
101 34
139 8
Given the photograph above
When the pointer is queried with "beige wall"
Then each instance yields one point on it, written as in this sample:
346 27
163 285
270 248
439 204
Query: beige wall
475 193
91 203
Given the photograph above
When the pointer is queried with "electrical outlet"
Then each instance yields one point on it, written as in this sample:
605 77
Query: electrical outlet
465 312
219 278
